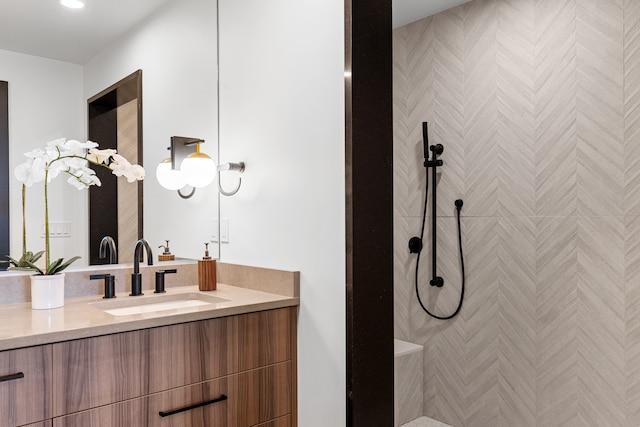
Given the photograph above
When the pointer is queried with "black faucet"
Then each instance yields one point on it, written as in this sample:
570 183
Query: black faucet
136 277
107 242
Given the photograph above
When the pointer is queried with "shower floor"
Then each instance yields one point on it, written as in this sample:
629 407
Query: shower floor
425 422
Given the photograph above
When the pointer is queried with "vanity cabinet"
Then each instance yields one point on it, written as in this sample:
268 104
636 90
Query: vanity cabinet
25 386
246 364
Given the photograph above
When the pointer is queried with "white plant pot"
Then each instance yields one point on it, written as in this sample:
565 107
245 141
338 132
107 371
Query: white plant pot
47 291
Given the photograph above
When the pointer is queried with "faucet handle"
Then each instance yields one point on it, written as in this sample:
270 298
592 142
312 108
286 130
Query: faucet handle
109 284
160 280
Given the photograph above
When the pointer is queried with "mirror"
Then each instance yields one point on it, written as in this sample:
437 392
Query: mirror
175 47
4 174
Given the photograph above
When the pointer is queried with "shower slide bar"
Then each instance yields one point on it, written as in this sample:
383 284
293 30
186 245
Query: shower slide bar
434 163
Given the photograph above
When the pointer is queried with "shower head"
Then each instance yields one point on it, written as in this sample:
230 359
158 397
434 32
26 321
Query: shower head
425 139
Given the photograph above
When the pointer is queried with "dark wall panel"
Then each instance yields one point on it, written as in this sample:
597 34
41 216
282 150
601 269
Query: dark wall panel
4 174
103 200
369 180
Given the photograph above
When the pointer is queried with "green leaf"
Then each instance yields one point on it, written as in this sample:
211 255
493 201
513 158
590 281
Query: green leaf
28 260
35 257
58 266
13 262
24 262
32 266
53 266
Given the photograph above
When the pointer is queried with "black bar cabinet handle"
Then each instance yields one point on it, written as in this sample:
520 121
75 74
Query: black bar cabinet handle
188 408
12 377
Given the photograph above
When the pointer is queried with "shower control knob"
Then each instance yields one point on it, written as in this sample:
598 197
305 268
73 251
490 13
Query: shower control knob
415 245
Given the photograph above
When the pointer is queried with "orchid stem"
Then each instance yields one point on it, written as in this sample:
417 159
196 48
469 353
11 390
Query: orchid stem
46 223
24 220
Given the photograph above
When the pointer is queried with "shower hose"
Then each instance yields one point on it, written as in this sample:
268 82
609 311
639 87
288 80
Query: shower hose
458 204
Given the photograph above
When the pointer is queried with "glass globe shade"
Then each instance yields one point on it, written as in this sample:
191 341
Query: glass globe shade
198 169
171 179
73 4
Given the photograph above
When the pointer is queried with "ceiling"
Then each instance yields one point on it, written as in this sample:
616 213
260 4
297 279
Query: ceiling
47 29
407 11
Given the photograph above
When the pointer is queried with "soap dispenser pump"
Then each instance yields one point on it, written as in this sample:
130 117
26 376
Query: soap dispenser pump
166 255
207 278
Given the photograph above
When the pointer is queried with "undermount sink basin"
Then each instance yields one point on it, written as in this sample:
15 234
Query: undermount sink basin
178 303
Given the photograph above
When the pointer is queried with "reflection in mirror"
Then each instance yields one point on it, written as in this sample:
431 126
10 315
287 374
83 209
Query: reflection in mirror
115 207
175 45
4 174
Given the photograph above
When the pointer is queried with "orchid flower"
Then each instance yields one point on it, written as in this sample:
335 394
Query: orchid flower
72 158
100 156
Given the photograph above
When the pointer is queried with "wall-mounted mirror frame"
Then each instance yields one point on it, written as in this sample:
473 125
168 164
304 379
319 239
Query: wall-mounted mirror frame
4 174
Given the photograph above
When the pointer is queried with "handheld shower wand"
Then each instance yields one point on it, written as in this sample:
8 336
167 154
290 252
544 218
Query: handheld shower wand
425 140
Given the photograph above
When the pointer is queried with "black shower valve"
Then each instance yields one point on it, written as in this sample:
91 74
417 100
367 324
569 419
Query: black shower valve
415 245
459 204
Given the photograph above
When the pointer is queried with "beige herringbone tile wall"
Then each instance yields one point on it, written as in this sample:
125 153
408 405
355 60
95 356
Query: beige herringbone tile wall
537 104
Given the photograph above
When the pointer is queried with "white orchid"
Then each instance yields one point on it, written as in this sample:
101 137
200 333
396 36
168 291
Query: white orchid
83 177
100 156
31 171
73 158
121 167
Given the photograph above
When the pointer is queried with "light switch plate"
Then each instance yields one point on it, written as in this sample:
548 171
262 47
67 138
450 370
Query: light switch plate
57 229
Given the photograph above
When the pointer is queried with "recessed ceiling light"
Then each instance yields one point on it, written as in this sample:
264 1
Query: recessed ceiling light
73 4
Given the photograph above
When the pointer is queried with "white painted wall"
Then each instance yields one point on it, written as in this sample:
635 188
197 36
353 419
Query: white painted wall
176 50
282 112
44 104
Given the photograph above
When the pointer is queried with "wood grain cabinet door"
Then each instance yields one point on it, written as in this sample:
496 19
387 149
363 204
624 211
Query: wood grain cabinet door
98 371
25 385
179 408
187 353
264 338
264 394
239 400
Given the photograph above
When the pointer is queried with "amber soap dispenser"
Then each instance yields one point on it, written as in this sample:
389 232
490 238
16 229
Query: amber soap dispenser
207 277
